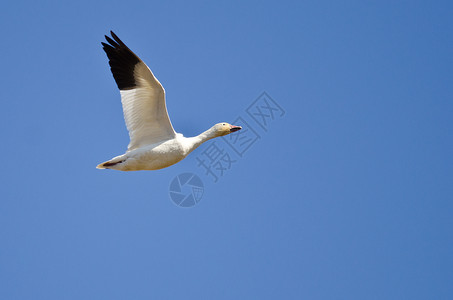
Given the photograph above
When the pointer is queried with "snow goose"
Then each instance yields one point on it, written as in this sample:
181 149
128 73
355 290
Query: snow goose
154 144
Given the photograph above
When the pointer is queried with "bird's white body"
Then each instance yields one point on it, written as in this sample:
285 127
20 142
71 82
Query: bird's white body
158 156
154 144
151 157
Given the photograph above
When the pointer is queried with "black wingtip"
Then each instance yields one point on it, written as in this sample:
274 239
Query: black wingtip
122 61
112 42
114 35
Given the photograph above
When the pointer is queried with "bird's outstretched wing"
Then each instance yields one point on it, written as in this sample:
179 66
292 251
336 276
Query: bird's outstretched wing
142 96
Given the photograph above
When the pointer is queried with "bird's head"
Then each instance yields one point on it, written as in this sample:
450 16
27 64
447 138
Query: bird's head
224 128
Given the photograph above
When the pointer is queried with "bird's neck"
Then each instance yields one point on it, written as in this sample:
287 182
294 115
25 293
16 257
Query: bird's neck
194 142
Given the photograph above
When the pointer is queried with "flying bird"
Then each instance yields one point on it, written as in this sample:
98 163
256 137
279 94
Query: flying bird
154 144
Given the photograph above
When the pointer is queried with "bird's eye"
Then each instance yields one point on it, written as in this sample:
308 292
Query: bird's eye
223 124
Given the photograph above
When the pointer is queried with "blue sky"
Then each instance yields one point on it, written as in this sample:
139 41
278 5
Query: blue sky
348 195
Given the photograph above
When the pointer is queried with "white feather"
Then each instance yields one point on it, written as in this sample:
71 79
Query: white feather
145 111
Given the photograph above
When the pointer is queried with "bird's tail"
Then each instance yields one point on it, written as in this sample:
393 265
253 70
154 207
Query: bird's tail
101 166
110 163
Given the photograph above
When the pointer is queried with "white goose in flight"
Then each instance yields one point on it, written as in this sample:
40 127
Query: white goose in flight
154 144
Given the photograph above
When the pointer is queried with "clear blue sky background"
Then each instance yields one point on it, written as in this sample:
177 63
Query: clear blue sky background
347 196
